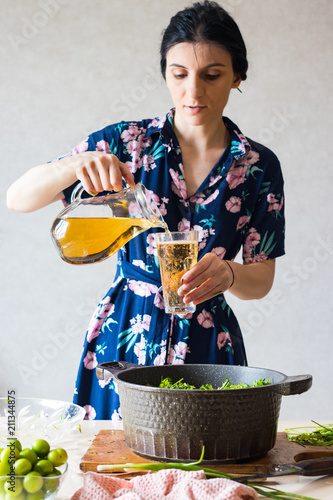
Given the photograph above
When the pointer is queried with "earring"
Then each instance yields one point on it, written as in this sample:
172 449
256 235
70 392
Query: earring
239 90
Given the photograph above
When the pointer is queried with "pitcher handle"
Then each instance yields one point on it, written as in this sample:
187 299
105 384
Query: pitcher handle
77 192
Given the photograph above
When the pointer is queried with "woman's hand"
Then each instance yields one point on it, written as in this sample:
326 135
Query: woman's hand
212 276
209 277
45 183
100 171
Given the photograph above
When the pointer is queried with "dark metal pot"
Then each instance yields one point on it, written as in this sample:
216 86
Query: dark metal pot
174 424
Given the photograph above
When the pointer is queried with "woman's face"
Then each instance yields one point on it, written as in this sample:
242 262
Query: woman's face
199 77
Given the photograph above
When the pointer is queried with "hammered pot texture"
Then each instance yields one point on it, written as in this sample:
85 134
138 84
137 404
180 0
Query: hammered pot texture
177 425
174 425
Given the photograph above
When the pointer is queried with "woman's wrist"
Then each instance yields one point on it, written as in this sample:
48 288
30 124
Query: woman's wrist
232 274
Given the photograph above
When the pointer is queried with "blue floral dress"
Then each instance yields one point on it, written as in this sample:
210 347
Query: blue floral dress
239 205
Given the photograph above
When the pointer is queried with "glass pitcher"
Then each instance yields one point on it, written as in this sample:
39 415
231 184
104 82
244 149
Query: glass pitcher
92 229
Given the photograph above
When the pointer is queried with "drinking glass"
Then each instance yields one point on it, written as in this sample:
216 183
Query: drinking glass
177 253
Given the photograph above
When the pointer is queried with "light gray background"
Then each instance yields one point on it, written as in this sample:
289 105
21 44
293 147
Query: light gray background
69 67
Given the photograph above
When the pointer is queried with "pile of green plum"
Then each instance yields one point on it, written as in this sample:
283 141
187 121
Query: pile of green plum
30 473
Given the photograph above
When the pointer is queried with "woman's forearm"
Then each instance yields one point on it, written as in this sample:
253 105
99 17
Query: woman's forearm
252 281
41 185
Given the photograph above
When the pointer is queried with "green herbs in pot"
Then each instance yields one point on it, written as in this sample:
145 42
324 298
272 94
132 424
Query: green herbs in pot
168 383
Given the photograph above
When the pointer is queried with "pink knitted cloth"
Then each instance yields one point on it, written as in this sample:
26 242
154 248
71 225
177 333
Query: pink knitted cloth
170 484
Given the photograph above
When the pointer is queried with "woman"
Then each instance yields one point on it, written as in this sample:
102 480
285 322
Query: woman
205 175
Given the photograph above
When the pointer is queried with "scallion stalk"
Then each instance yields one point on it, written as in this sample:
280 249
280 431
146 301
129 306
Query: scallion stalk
210 473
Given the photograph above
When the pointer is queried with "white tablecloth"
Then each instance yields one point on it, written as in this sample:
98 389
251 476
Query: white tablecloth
78 443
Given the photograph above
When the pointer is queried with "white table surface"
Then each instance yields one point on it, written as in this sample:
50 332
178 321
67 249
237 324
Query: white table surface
320 488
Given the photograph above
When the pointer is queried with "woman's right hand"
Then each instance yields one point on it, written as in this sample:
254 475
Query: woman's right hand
100 171
45 183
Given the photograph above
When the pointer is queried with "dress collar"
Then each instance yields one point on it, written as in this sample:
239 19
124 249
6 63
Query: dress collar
164 127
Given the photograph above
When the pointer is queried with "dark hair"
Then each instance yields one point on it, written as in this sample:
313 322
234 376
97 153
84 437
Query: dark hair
206 22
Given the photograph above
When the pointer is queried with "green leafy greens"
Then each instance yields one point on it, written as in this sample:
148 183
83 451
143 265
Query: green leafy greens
322 435
180 384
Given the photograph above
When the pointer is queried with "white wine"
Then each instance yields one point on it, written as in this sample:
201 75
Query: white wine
175 258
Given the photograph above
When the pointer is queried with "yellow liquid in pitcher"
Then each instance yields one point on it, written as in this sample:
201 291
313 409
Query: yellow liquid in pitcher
89 240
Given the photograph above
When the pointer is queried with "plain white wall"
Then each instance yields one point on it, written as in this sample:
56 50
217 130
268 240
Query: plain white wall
69 67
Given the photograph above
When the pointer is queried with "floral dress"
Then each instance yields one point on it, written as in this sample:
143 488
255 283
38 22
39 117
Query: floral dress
239 205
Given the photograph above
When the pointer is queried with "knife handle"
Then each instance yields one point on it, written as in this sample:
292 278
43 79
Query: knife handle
316 467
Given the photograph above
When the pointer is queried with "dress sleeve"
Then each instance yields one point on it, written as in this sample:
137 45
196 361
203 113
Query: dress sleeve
265 236
105 140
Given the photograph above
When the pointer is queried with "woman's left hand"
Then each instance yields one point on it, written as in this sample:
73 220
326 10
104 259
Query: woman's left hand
212 276
207 278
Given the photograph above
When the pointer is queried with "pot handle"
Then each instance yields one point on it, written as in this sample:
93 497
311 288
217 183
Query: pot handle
295 385
111 368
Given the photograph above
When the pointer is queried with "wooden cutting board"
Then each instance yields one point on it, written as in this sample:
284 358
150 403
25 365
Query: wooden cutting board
109 447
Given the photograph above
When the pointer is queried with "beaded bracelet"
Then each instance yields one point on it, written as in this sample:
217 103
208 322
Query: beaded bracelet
233 274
